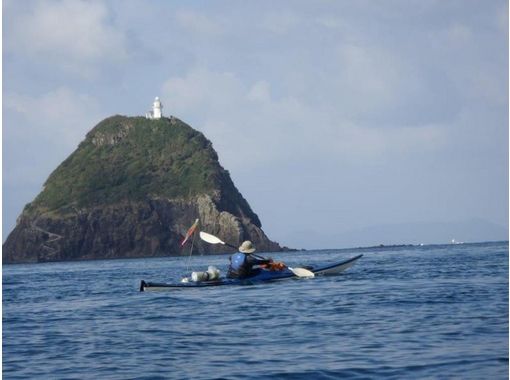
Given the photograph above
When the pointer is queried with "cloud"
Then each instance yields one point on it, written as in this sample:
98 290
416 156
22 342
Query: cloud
459 33
469 63
330 22
280 22
202 90
378 86
260 92
61 113
372 145
502 18
40 131
72 34
248 125
369 75
198 23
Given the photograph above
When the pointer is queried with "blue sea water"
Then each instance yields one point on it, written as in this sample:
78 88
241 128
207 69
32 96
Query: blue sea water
403 313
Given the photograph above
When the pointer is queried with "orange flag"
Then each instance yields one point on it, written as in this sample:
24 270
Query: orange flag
190 232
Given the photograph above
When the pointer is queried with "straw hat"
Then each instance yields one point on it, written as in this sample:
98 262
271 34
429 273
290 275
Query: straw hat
247 247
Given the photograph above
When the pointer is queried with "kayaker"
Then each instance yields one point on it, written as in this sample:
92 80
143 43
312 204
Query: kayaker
243 262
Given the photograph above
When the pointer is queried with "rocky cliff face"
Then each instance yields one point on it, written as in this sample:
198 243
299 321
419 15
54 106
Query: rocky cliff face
132 189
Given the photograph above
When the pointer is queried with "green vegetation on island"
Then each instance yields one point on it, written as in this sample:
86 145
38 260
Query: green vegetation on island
133 158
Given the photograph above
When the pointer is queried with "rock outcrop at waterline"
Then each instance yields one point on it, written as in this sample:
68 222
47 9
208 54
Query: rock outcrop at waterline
131 189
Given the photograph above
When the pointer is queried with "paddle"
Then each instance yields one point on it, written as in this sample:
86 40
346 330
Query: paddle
211 239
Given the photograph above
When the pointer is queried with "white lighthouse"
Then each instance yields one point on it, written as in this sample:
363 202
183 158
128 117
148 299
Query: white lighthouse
156 112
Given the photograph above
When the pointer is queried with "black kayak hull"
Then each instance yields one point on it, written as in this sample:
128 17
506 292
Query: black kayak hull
263 276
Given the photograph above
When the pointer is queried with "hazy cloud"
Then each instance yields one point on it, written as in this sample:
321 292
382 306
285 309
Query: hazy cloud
260 92
280 22
198 23
240 116
72 34
61 113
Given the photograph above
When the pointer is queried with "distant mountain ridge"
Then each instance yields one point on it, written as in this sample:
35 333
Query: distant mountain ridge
131 189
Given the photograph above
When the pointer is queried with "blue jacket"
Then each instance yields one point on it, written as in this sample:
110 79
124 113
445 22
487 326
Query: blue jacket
241 265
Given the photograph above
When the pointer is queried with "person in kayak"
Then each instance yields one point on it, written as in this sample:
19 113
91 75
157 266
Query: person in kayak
243 262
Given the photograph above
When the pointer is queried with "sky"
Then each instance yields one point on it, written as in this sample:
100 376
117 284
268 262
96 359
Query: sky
343 123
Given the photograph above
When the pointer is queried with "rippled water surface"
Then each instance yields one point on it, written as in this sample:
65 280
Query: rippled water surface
418 312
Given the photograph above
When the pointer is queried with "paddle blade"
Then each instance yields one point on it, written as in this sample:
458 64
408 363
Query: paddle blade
211 239
302 272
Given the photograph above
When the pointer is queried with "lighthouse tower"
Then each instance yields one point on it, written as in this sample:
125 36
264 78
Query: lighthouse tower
156 112
156 108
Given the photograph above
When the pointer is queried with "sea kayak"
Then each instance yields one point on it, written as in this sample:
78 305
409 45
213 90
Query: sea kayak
262 276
